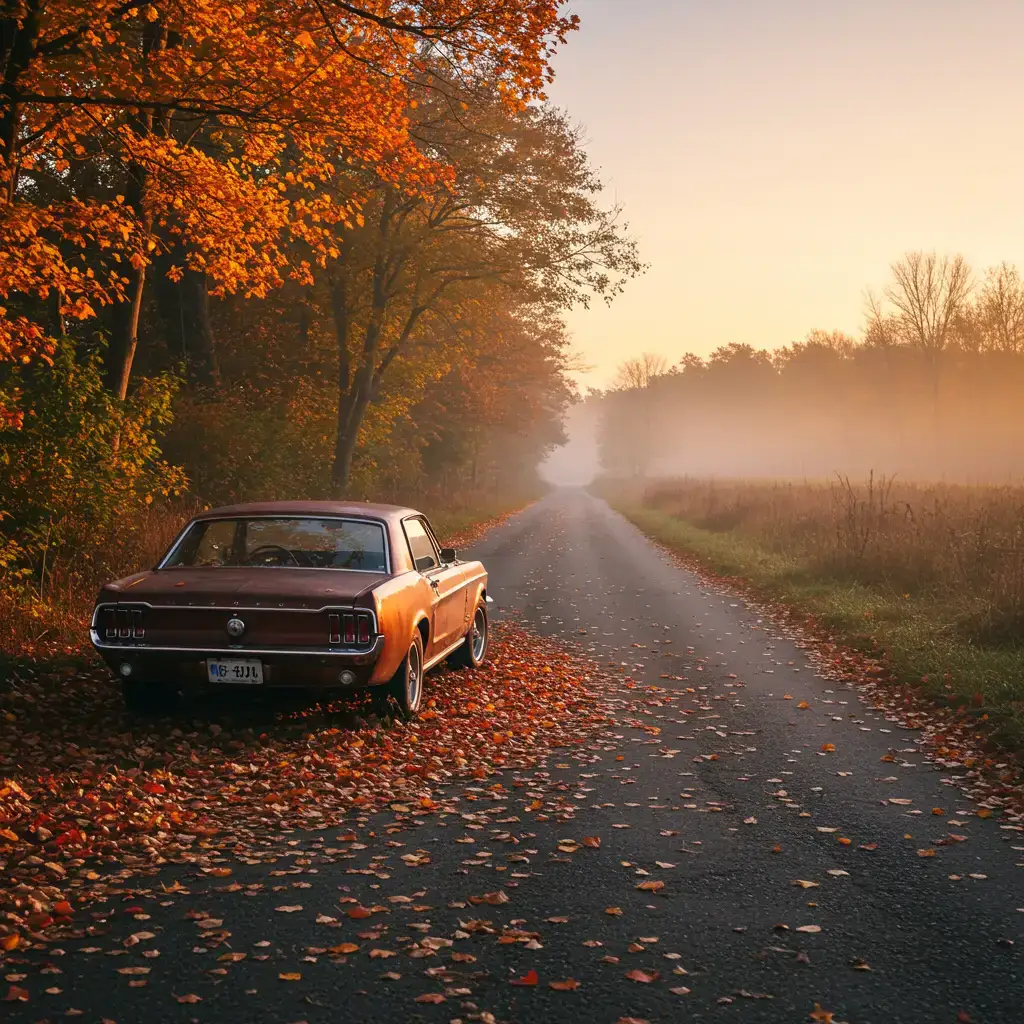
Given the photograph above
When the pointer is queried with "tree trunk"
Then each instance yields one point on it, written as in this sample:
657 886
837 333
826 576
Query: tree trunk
350 418
19 36
185 310
124 337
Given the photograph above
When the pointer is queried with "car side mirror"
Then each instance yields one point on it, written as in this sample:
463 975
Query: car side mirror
449 555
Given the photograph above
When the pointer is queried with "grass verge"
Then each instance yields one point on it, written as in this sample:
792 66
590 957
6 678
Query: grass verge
915 632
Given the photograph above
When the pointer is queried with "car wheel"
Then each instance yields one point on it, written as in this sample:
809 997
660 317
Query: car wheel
144 698
473 651
403 696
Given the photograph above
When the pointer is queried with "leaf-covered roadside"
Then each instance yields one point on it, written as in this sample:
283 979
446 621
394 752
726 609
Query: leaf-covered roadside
79 779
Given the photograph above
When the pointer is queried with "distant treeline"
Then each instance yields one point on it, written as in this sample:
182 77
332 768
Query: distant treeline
933 389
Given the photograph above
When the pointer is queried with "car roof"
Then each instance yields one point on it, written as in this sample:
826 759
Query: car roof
392 513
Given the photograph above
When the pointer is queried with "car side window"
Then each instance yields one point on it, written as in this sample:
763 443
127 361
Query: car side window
421 547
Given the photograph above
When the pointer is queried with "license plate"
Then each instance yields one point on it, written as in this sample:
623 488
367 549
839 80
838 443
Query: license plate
247 671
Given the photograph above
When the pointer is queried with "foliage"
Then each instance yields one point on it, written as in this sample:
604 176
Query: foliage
219 134
80 462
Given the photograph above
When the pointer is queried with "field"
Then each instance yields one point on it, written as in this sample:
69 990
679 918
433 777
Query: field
931 574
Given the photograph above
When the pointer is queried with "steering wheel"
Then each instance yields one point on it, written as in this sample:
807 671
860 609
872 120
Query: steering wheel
271 548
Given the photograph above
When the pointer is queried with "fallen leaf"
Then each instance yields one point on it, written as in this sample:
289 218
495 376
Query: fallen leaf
812 929
430 997
529 978
592 841
290 976
288 910
651 886
642 977
344 947
191 997
569 985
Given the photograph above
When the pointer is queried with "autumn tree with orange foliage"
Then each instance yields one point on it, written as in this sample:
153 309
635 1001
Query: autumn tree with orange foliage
217 133
259 250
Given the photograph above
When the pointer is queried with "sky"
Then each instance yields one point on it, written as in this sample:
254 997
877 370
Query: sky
773 157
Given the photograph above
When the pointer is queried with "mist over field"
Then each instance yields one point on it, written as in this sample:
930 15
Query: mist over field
930 391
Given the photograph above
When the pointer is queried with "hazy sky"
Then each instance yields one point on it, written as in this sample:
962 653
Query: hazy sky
774 156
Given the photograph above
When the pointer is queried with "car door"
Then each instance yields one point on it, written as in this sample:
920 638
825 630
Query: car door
446 581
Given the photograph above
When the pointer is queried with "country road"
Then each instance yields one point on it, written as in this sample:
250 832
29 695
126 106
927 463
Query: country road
715 785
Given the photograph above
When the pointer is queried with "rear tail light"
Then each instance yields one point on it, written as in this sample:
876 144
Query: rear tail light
350 629
122 624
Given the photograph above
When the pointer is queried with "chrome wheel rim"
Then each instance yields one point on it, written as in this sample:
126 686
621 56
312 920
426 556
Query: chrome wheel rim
478 641
414 679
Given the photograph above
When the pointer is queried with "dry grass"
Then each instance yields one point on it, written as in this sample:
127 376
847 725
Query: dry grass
52 617
930 576
957 542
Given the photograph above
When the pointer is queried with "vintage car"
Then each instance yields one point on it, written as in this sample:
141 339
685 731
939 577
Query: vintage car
310 594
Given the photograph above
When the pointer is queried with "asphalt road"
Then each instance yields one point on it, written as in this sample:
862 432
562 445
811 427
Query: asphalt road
715 785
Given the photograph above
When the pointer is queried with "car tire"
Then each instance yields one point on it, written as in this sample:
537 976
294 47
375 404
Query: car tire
142 698
402 697
473 652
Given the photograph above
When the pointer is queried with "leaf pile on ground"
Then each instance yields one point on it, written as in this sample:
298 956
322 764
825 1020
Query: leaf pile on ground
80 779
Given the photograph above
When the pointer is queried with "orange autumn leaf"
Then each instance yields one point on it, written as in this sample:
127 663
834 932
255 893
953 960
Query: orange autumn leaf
651 886
344 947
642 977
592 841
569 985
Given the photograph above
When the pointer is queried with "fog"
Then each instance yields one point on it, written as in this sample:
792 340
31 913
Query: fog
577 462
818 409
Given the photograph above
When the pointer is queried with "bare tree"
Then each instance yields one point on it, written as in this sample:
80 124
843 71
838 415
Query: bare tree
929 293
881 328
639 371
1001 308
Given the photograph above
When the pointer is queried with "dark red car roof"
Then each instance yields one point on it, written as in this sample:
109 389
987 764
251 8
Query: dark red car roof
311 508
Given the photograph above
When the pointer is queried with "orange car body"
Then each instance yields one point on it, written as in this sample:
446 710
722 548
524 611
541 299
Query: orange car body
309 625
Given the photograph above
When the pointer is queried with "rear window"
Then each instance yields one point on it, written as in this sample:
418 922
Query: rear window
282 542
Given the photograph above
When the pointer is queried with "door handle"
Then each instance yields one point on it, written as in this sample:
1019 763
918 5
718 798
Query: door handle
434 584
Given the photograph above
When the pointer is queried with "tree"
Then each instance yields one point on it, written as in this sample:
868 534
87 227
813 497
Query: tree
639 371
518 223
219 134
929 293
1000 309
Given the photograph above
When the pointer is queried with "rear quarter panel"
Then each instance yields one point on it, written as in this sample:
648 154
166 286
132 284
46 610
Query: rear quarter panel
401 603
475 576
